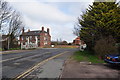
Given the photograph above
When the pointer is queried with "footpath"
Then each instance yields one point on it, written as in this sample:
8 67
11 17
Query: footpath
74 69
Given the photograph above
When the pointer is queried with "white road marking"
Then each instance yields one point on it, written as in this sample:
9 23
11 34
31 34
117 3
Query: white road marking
10 59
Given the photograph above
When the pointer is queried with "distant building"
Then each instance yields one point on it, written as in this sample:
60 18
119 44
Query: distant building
38 38
4 42
82 44
77 41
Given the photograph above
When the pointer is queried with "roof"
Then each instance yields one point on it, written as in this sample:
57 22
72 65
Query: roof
78 38
33 33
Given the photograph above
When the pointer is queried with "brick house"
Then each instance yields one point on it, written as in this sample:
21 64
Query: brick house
77 41
38 38
81 43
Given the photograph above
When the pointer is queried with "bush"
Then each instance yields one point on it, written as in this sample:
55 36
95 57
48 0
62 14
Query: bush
105 46
14 49
118 46
119 49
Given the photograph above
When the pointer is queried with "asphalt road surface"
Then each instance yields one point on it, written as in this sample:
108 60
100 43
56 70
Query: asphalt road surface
14 64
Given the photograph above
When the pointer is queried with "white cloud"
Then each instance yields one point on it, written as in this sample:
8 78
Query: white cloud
43 12
50 0
61 22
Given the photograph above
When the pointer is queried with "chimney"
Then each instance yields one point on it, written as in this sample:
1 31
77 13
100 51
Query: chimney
48 31
42 29
23 30
28 30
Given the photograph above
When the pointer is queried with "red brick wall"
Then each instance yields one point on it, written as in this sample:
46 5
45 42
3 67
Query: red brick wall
42 39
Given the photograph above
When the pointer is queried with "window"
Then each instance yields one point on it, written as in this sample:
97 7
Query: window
45 38
45 42
23 43
22 38
26 38
30 37
46 34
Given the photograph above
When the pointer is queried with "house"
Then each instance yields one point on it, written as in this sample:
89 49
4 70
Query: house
82 44
77 41
4 42
37 38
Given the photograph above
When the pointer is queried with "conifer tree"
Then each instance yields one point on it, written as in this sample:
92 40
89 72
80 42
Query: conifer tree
100 20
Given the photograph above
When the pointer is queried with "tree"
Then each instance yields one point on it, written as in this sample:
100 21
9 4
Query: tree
15 27
102 19
5 13
76 30
64 43
11 23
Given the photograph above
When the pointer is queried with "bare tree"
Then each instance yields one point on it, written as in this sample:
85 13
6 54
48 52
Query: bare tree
15 27
11 23
5 13
15 24
76 30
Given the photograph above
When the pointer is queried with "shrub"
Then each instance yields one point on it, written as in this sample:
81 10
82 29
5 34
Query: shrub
0 49
118 47
105 46
14 48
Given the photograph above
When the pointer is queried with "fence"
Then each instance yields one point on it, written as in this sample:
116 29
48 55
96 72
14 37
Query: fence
29 46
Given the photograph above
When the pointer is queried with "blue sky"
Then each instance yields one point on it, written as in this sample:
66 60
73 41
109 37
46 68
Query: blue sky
58 15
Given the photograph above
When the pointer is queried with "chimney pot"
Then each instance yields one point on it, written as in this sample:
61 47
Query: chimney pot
48 31
42 29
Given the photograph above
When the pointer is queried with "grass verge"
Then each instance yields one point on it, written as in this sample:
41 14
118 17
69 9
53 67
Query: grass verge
86 56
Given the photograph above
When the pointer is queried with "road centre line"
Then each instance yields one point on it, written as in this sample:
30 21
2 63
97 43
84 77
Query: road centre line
38 65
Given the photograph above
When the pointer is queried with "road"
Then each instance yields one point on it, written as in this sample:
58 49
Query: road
15 64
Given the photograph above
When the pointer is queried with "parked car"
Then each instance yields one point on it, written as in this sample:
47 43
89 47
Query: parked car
112 59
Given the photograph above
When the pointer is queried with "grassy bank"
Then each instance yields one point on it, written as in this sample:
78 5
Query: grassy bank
87 56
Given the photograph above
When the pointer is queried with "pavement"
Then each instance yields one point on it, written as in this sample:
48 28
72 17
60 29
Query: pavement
74 69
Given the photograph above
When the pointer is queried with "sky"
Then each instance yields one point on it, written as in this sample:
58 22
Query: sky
58 15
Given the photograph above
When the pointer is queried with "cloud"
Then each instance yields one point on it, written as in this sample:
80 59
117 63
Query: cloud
43 12
60 17
50 0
